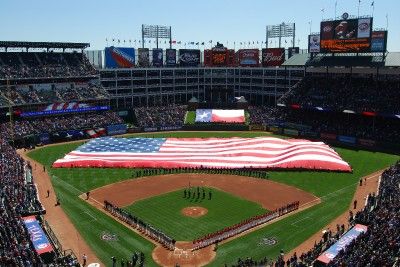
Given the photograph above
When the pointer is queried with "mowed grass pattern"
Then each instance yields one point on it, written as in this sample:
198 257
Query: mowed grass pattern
164 212
335 189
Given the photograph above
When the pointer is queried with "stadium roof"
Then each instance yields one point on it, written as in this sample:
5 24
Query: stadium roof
19 44
392 60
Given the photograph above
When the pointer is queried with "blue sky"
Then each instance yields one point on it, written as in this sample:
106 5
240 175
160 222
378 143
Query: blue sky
219 20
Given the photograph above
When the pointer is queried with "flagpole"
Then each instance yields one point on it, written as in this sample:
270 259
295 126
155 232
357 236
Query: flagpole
335 9
358 9
373 8
387 21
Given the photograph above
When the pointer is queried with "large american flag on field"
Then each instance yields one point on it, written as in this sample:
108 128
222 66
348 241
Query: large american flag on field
261 152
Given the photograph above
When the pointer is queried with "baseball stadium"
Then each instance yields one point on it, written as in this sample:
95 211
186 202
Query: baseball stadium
158 151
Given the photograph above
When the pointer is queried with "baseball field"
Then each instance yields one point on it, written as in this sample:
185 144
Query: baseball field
334 190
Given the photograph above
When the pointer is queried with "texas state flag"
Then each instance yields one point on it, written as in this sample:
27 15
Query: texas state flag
220 115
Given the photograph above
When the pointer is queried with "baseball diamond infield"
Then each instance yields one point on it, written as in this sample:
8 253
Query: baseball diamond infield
269 194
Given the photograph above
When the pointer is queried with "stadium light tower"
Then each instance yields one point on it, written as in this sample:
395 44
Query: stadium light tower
279 31
156 31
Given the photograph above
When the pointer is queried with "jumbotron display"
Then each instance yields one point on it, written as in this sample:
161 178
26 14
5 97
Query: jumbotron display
346 35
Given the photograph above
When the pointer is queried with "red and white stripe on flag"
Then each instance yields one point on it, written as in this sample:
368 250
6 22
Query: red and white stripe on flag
228 115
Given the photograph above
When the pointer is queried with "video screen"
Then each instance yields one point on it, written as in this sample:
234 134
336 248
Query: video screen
346 36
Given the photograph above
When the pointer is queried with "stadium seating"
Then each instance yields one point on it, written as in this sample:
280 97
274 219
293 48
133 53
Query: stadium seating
27 127
44 64
161 116
346 92
51 93
18 198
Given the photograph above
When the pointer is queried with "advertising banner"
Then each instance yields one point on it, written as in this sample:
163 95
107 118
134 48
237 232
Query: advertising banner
37 235
308 133
189 57
364 28
63 111
275 129
378 41
257 127
169 128
273 57
314 44
366 142
96 132
293 51
347 139
291 132
248 57
143 57
116 129
119 57
207 58
157 57
44 138
231 58
328 136
296 126
341 244
71 134
219 56
170 57
150 129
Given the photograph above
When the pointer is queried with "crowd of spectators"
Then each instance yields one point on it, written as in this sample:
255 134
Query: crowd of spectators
18 197
20 95
44 65
162 116
52 124
380 244
263 115
347 92
375 128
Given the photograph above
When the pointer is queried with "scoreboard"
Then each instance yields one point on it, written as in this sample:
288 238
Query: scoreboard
346 36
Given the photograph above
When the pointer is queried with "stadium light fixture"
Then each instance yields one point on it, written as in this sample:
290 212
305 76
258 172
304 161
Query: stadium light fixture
156 32
279 31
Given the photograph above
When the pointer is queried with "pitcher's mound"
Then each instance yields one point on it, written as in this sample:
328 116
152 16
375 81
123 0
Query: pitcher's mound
194 211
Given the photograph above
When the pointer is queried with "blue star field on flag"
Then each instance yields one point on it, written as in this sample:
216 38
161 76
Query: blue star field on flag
132 145
203 115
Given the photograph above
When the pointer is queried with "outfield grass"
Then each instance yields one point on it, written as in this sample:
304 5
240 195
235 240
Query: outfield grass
335 189
190 117
164 212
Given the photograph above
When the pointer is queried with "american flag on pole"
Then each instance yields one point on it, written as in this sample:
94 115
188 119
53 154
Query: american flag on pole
228 153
